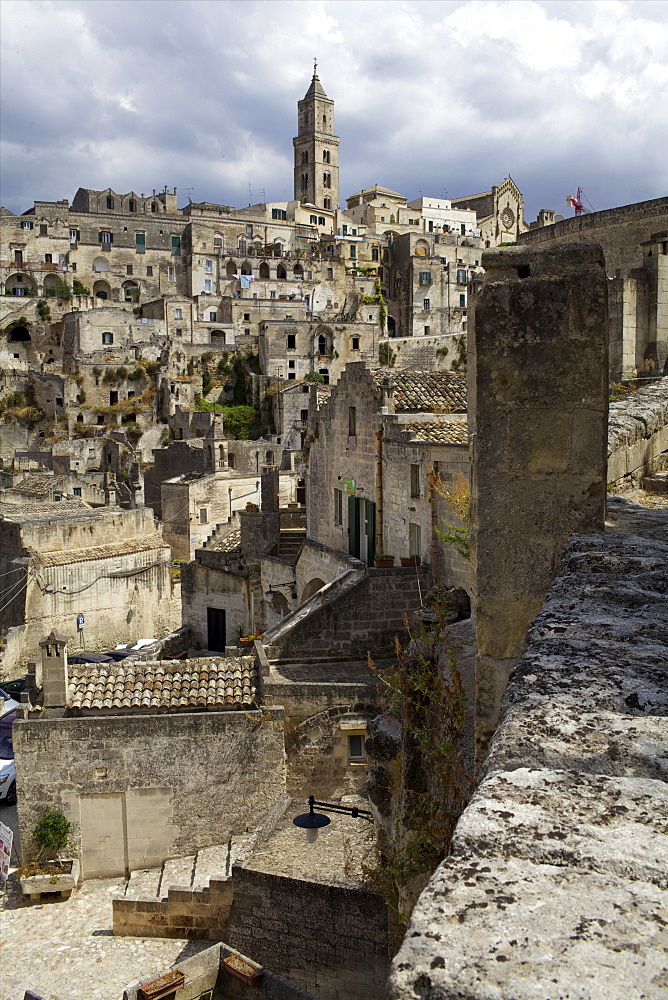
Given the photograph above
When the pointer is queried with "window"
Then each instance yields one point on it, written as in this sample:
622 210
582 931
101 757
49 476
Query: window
305 157
213 316
327 180
149 271
326 157
313 219
113 397
246 317
353 251
154 206
128 268
48 258
327 203
415 481
107 338
462 301
28 225
426 303
247 331
43 230
217 243
110 202
291 364
203 515
170 274
461 275
352 421
427 331
356 344
279 213
179 331
77 491
344 229
338 497
292 341
325 375
132 205
178 313
208 266
425 277
463 229
374 253
106 239
176 245
272 295
303 416
231 460
330 273
321 220
207 284
356 748
292 375
304 182
73 265
249 229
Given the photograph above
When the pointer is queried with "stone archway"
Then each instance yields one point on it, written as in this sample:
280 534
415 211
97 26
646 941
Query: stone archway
311 588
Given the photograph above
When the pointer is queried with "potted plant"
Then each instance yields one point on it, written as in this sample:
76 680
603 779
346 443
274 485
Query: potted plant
382 560
251 508
410 560
47 872
247 640
243 969
163 986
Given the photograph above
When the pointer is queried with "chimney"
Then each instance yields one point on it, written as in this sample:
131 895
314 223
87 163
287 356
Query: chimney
269 489
54 670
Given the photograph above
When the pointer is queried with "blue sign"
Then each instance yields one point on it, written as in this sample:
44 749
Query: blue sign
80 621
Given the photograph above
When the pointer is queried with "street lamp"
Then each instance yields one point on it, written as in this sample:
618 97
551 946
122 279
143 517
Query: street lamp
313 821
273 587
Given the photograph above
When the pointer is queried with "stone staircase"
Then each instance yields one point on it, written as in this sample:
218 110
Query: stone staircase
186 897
290 542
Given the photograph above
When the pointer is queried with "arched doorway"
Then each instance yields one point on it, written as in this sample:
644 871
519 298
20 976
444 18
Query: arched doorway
246 268
298 272
101 264
18 335
102 290
217 338
130 291
281 273
264 270
311 588
230 269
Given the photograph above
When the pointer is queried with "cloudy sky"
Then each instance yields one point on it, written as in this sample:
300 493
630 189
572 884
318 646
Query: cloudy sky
435 97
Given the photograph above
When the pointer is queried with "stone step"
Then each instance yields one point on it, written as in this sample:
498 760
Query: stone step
143 883
212 862
176 872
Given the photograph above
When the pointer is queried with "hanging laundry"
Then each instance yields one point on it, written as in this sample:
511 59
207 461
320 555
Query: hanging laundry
245 279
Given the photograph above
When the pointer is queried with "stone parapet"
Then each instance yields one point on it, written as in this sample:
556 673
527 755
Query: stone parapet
556 886
638 433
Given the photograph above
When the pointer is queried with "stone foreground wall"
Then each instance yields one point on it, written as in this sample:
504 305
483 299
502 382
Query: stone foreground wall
638 433
556 887
337 941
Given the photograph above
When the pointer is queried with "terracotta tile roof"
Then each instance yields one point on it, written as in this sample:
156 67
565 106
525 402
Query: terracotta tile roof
425 392
20 511
163 685
228 543
439 431
106 551
37 486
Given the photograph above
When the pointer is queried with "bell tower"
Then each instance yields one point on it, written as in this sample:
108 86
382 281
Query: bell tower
316 149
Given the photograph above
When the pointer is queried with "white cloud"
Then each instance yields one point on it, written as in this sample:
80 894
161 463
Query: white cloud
428 96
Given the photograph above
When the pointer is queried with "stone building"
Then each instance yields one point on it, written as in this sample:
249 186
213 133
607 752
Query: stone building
499 212
635 244
66 559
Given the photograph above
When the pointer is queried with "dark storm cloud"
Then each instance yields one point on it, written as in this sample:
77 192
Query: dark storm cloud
430 96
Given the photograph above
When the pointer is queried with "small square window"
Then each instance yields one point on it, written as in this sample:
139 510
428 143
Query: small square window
356 748
77 491
213 316
246 317
107 338
48 258
291 364
179 331
292 375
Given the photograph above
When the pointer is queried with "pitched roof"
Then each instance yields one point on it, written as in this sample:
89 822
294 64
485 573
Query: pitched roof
425 392
315 88
133 686
72 507
36 485
439 431
108 550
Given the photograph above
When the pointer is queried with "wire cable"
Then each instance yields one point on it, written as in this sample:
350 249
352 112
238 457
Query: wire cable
13 598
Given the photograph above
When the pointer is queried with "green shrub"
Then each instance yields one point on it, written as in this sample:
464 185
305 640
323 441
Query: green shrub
51 832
